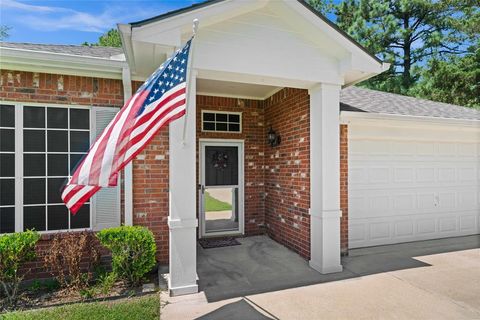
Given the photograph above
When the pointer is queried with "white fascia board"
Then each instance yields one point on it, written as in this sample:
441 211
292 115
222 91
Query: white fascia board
347 117
125 31
49 62
169 30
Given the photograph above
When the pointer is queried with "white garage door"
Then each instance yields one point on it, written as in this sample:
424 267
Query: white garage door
412 181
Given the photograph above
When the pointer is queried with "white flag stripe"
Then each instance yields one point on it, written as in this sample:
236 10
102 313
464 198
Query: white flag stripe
79 194
84 175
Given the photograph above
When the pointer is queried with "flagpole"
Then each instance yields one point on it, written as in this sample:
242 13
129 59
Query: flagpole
189 64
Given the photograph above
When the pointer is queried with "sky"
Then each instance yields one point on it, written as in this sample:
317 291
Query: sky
76 21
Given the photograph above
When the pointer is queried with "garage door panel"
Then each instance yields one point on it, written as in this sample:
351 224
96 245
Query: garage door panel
388 230
407 190
468 222
467 150
404 228
426 226
425 175
379 231
447 224
403 202
410 201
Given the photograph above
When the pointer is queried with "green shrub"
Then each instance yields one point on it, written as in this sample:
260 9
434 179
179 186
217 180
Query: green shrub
103 286
15 249
133 251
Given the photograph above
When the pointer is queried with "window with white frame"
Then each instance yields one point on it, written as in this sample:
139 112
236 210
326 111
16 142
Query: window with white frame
40 147
7 169
219 121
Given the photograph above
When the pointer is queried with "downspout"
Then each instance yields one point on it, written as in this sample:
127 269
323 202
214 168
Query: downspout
128 172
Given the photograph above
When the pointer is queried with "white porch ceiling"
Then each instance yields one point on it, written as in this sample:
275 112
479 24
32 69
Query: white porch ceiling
234 89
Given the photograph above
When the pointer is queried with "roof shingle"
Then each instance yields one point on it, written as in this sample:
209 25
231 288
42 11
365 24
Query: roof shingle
372 101
77 50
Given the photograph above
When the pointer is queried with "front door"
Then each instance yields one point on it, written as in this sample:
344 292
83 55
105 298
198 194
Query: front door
221 188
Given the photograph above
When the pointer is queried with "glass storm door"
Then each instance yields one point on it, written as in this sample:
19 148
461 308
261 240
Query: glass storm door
221 188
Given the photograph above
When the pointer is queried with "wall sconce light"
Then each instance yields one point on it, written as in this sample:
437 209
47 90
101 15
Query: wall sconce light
272 138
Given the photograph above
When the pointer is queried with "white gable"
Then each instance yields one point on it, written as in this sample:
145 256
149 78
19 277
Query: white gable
276 43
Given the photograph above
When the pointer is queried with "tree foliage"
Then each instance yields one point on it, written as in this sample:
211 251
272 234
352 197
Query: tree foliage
4 32
111 38
424 40
453 80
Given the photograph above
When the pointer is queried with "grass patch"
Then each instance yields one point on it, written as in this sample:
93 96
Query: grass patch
212 204
141 308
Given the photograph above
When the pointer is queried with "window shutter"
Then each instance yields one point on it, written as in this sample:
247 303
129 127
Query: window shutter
106 202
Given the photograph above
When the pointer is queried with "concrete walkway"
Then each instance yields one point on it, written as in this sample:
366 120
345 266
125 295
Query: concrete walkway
261 279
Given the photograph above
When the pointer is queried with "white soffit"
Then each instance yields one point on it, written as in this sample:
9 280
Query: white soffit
234 89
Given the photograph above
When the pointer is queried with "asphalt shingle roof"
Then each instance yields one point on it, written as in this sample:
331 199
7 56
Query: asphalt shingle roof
372 101
85 51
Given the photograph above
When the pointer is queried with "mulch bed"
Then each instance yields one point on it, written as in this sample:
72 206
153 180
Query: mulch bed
41 298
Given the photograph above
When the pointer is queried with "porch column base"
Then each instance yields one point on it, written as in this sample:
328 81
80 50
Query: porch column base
325 241
180 291
182 277
325 270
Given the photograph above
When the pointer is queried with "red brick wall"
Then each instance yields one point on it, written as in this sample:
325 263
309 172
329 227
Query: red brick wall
276 179
150 189
344 188
254 142
287 173
61 89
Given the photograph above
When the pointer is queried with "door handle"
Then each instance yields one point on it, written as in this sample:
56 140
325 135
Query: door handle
202 188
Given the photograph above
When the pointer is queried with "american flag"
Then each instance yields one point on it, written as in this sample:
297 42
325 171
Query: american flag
160 100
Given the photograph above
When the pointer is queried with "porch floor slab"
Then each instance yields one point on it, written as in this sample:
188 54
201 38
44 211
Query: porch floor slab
435 279
258 265
261 265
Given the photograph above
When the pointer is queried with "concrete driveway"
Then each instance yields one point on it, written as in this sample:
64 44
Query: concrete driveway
438 279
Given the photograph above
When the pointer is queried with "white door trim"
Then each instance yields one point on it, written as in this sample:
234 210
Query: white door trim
241 184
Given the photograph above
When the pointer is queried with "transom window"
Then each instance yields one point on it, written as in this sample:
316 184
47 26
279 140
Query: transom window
221 121
40 145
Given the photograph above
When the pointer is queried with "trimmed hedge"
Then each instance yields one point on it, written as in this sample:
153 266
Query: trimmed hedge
15 249
133 251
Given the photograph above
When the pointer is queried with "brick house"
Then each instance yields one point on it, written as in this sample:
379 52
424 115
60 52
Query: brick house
353 168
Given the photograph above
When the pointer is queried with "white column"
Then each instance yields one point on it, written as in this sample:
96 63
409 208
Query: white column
128 171
182 220
325 210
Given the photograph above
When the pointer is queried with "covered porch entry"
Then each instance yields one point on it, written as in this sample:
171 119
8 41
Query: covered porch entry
279 64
